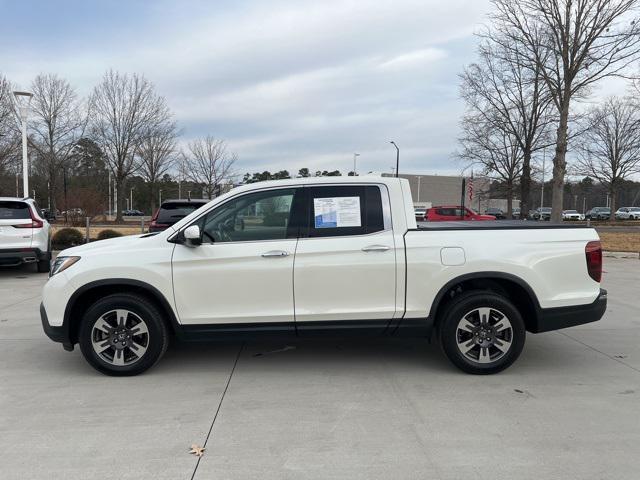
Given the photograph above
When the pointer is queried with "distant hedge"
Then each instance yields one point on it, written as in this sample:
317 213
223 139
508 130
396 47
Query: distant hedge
67 237
108 233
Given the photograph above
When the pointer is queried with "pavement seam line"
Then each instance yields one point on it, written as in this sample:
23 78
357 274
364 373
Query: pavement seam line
224 392
600 352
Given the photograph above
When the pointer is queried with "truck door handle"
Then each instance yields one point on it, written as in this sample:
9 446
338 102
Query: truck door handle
375 248
275 253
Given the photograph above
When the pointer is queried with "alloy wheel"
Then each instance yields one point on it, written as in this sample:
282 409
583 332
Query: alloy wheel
120 337
484 335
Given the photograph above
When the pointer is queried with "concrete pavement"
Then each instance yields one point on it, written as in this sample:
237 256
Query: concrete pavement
568 408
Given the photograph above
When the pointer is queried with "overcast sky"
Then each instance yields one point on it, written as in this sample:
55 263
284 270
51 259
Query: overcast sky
288 84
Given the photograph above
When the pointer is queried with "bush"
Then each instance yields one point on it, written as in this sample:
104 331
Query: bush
108 233
67 237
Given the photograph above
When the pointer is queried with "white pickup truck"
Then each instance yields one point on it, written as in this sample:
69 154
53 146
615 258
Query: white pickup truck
325 255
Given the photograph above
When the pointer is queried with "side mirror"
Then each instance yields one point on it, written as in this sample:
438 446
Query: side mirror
192 235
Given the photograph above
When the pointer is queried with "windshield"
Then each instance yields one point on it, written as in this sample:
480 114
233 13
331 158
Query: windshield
570 211
546 209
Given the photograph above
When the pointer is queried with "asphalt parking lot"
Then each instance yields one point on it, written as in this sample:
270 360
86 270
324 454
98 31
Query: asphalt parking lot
569 408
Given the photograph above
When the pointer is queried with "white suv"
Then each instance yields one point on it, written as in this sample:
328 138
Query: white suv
25 236
628 213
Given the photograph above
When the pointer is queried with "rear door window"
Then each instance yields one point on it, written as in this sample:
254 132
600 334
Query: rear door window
14 211
344 210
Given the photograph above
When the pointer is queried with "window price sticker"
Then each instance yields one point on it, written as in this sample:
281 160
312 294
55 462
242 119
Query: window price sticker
337 212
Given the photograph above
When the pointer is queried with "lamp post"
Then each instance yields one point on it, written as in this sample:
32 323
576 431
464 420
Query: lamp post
355 155
131 199
544 158
109 209
23 100
397 156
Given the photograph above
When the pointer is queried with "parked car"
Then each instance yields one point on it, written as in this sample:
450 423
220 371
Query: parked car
515 213
496 212
542 213
132 213
48 214
172 211
308 256
628 213
454 213
599 213
421 214
572 215
73 212
25 235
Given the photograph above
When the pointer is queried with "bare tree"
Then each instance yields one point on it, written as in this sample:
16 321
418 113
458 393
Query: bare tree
574 43
8 136
496 151
58 123
610 146
123 110
157 154
209 163
502 90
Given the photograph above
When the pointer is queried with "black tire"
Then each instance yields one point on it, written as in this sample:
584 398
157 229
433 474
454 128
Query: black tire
44 265
138 308
450 332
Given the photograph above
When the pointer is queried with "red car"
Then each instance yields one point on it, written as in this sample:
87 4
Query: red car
448 213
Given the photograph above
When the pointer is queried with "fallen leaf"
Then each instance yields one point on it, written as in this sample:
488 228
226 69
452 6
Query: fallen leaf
197 450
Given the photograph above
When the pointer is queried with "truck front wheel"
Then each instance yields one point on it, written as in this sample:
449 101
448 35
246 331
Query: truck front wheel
123 334
481 332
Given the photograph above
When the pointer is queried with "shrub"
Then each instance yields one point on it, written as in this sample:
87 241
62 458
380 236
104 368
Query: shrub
67 237
108 233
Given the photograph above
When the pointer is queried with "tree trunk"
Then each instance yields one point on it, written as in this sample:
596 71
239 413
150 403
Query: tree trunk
152 202
52 189
119 180
560 164
525 184
612 201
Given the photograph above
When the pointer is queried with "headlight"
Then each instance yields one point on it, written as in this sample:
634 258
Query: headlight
61 264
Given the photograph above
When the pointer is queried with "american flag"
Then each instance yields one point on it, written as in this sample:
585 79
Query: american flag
470 187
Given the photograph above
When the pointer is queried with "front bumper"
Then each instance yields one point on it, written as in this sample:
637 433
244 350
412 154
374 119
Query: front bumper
10 257
550 319
57 334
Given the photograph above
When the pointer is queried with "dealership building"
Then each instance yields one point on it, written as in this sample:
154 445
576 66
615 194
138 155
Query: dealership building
431 190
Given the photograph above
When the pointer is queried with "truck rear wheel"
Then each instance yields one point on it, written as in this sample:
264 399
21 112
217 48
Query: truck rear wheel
123 334
481 332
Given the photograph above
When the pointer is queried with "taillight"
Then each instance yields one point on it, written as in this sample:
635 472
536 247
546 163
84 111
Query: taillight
35 223
593 252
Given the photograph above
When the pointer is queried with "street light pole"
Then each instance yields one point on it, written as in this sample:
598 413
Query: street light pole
23 99
109 209
131 199
397 156
544 158
355 155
